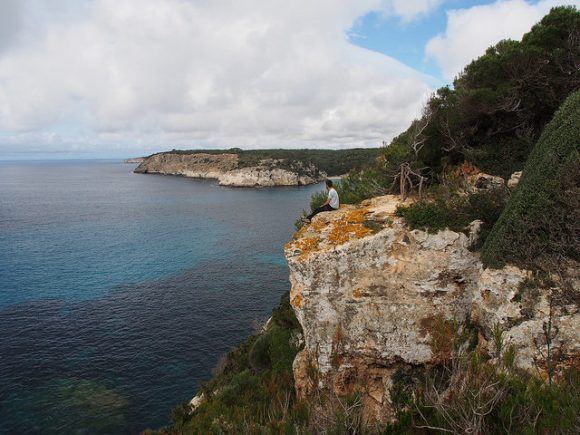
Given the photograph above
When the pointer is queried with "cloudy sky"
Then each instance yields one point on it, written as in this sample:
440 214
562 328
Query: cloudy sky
129 77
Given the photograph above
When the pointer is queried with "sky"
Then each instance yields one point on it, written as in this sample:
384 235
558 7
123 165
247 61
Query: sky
121 78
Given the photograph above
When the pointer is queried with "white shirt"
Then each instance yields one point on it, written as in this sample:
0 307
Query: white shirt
333 197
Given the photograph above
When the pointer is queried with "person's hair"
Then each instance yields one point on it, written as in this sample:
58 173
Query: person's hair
328 183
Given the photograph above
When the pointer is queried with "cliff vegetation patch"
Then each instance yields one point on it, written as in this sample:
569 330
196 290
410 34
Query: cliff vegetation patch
456 211
540 223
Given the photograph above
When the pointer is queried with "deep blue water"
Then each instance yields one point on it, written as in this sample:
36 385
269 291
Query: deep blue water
119 292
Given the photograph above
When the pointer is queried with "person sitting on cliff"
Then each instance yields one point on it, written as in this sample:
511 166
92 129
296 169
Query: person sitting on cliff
331 203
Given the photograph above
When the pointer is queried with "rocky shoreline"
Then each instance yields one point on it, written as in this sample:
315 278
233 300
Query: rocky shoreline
225 168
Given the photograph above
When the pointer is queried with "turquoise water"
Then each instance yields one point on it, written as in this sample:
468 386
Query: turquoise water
119 292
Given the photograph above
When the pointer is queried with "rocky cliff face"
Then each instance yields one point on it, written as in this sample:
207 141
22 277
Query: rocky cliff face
189 165
373 296
267 177
225 168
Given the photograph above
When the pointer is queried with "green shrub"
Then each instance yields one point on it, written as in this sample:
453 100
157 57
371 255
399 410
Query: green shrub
455 212
486 399
432 216
540 222
259 357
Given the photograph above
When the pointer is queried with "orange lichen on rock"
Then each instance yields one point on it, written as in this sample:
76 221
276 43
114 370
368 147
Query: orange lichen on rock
357 215
307 245
297 301
303 241
348 227
331 230
317 225
298 234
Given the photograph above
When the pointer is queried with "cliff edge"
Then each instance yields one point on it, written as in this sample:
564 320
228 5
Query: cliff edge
374 297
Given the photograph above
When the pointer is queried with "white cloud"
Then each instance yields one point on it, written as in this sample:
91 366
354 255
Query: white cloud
143 74
10 21
471 31
409 10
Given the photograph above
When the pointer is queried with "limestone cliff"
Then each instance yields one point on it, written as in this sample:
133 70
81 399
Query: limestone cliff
373 295
227 170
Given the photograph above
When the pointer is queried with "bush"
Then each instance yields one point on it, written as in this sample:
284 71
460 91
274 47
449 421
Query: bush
432 216
479 397
455 212
540 222
470 393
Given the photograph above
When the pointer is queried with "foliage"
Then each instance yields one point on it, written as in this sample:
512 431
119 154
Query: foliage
455 212
333 162
481 398
498 105
471 393
540 222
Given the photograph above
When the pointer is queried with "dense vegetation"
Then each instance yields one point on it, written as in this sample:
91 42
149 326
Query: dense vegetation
541 222
498 105
455 212
333 162
472 392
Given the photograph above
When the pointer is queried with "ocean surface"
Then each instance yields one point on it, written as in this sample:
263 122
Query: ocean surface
119 291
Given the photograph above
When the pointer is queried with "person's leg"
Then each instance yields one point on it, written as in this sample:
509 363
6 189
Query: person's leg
326 207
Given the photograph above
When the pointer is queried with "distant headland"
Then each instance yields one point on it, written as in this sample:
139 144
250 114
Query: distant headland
134 160
257 168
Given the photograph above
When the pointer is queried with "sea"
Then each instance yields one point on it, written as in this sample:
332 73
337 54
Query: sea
120 291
